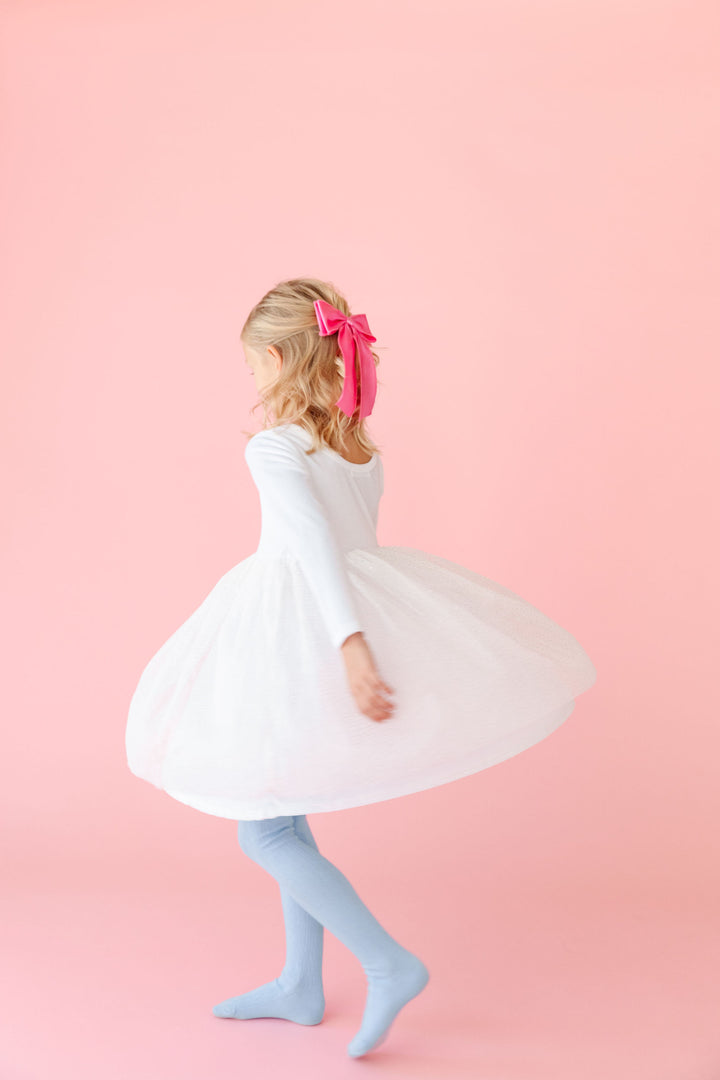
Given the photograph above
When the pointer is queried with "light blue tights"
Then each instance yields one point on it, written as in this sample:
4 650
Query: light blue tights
315 894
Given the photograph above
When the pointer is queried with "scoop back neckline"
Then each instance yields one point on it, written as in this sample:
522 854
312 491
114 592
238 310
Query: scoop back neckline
360 466
351 464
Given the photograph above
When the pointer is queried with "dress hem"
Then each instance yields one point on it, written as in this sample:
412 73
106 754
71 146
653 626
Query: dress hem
514 743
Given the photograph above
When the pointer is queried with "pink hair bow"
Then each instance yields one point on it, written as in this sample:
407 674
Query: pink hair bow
353 334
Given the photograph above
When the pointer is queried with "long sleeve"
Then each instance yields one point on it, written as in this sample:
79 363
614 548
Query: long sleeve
287 494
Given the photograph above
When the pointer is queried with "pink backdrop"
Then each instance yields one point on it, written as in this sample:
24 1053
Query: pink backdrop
523 199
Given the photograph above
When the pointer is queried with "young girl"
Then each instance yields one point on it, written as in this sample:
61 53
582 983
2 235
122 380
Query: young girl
326 671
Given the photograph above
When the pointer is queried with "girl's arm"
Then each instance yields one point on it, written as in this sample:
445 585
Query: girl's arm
281 475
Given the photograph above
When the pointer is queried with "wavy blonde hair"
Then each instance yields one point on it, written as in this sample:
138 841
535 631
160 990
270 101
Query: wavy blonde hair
311 377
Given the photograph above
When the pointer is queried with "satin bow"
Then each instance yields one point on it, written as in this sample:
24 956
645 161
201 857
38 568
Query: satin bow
353 335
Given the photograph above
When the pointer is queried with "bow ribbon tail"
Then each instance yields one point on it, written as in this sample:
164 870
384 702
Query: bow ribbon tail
368 377
348 398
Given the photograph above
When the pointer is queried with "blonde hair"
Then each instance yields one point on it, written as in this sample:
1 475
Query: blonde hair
311 377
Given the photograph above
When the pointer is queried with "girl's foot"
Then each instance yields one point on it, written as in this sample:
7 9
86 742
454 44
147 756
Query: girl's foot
387 993
300 1003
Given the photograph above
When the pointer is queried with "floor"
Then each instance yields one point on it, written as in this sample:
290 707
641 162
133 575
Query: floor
584 984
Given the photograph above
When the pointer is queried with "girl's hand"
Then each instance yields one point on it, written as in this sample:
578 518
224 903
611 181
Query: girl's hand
370 692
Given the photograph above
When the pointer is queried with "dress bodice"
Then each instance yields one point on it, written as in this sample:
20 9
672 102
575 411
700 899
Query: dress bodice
348 493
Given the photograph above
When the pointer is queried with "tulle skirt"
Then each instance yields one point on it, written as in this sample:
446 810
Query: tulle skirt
245 712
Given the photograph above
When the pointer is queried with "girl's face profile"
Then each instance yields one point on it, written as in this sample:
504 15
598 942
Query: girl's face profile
264 366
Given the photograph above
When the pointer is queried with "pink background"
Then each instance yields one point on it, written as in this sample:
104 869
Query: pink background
523 199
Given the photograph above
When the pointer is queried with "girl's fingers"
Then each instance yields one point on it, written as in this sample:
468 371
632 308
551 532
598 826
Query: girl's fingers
378 686
381 705
379 695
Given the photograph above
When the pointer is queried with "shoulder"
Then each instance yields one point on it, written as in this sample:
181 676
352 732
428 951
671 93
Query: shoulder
276 446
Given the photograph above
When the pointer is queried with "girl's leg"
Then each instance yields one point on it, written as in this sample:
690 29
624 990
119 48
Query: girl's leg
394 974
303 934
297 993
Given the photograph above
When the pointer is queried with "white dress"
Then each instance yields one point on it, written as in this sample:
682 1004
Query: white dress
245 712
